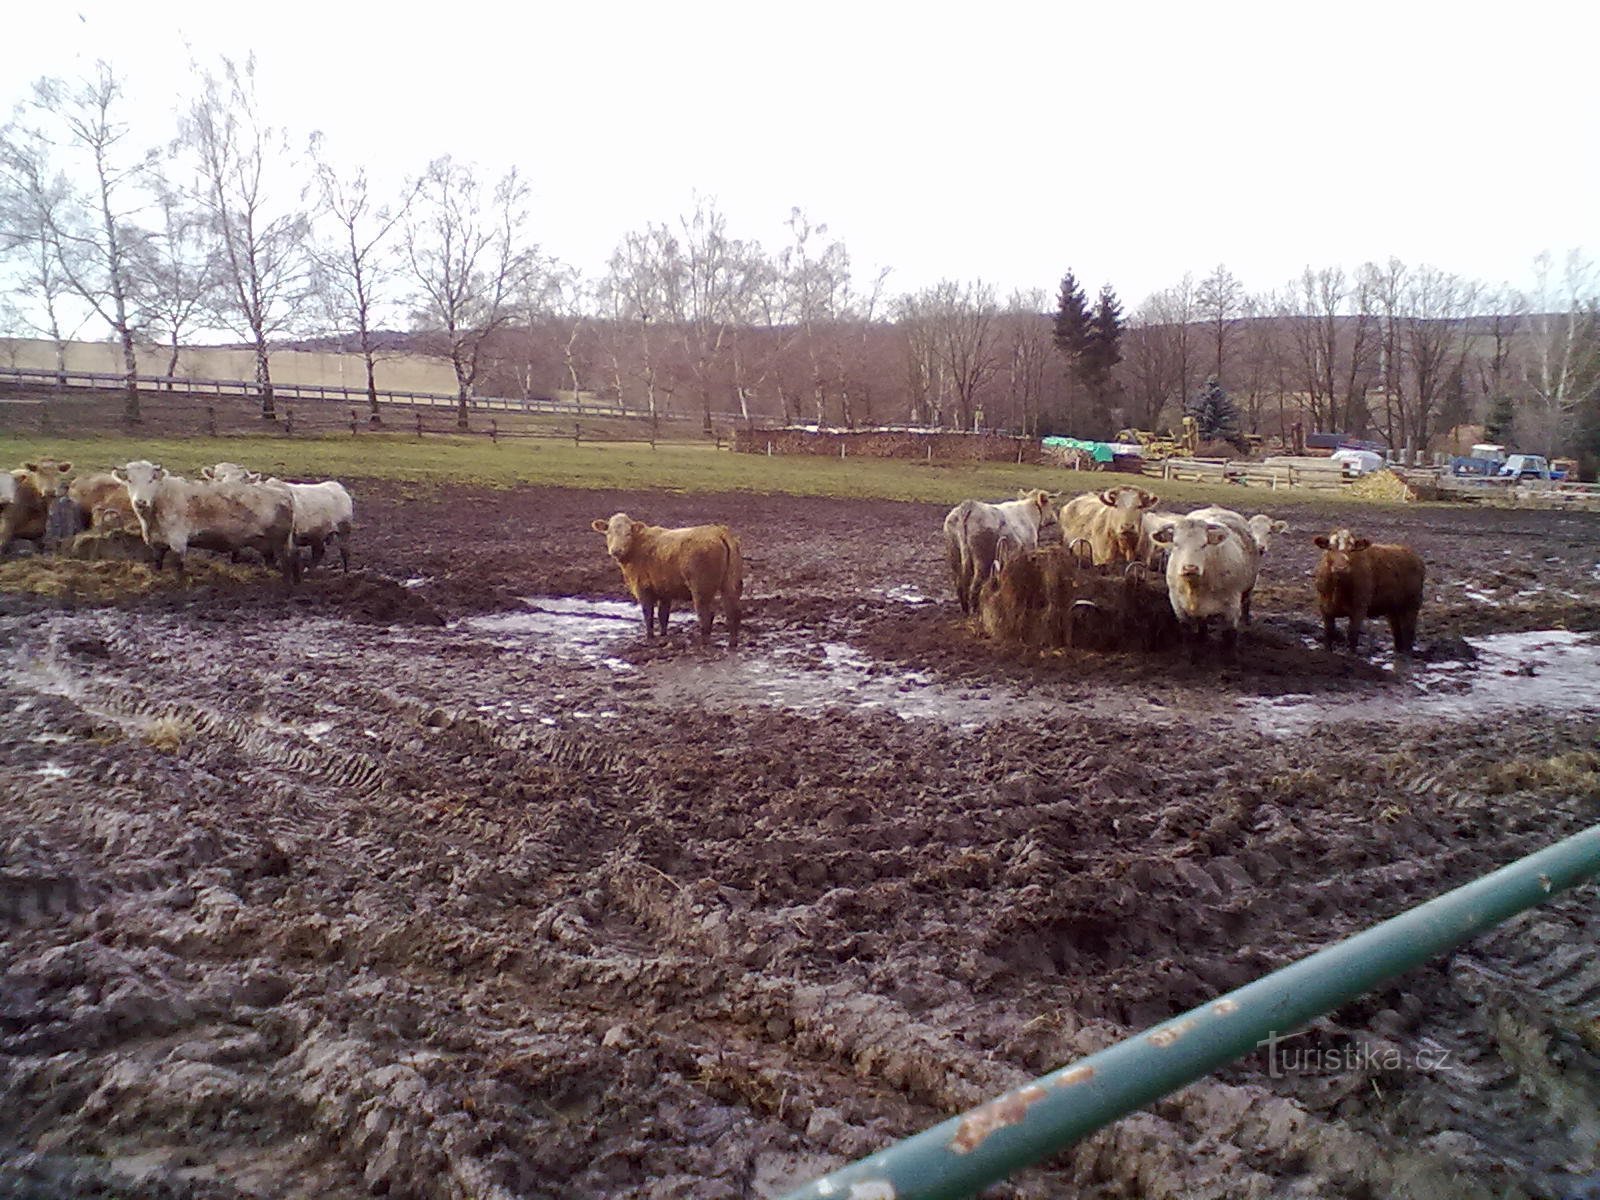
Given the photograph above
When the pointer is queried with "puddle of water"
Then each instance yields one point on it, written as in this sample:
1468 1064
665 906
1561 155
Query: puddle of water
570 628
1554 670
904 593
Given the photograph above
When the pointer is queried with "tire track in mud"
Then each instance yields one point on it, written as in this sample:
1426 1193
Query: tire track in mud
707 951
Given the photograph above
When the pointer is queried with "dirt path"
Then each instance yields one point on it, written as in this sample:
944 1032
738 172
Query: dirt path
406 886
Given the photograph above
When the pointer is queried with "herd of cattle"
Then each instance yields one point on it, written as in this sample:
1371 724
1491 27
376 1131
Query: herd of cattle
229 509
1209 558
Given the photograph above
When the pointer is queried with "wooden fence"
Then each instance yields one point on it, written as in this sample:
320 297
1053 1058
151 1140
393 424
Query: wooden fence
165 386
1248 474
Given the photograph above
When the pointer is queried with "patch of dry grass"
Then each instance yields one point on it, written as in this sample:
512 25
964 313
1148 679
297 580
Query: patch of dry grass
167 734
76 579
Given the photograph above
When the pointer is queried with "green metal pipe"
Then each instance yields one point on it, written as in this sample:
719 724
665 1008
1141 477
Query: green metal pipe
967 1153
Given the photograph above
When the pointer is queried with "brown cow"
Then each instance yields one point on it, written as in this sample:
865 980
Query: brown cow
25 497
102 490
662 565
1357 579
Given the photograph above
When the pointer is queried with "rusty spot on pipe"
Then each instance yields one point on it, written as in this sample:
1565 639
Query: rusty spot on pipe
1225 1006
1162 1038
1009 1109
1073 1076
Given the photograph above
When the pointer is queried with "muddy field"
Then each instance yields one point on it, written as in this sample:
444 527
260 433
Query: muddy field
437 880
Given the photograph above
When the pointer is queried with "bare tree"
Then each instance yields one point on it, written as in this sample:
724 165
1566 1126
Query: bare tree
469 261
961 321
1159 353
356 266
262 242
31 207
181 275
1424 339
1562 367
1332 335
93 232
1220 304
1029 354
633 296
711 287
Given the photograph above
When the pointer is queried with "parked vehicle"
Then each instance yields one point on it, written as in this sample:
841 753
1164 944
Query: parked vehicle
1358 462
1528 466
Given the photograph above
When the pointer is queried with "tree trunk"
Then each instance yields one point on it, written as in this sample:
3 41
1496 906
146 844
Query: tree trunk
269 411
131 408
172 360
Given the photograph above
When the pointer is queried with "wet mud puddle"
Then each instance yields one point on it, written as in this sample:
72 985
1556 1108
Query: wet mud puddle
806 679
1551 670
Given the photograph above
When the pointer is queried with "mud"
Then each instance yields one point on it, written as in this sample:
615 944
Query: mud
441 880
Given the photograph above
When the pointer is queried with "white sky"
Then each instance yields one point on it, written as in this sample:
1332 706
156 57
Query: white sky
997 140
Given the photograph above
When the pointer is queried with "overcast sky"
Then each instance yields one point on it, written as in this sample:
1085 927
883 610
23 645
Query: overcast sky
1130 142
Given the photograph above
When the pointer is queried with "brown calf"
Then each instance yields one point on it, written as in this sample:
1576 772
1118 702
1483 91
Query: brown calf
25 497
663 565
1357 579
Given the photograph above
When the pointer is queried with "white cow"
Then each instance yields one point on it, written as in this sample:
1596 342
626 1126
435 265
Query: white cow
1209 570
972 533
1112 521
321 510
1257 533
179 514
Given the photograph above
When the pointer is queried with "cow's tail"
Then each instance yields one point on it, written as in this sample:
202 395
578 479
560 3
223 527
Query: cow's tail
732 585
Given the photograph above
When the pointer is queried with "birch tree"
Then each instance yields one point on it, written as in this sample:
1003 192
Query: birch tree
1561 366
469 259
356 264
93 230
261 237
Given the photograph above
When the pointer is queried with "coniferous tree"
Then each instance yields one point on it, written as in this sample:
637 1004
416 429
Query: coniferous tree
1072 320
1102 349
1497 423
1215 414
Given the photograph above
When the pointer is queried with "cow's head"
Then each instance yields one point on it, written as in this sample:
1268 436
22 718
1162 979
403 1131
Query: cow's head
1339 549
1263 529
1128 505
1190 540
46 473
227 472
1044 503
620 531
143 481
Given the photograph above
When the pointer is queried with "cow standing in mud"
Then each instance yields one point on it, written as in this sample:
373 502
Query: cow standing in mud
660 566
1358 579
323 512
1255 532
177 514
1112 522
1209 569
973 531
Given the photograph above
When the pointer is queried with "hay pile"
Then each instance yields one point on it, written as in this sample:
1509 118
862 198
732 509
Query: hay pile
1049 600
1390 486
77 579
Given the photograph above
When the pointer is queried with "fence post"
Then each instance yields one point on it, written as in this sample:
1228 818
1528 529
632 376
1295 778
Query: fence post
352 422
769 447
211 419
841 450
494 431
288 421
419 427
577 434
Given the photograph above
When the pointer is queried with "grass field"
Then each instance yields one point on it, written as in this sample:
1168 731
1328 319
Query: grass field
687 467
